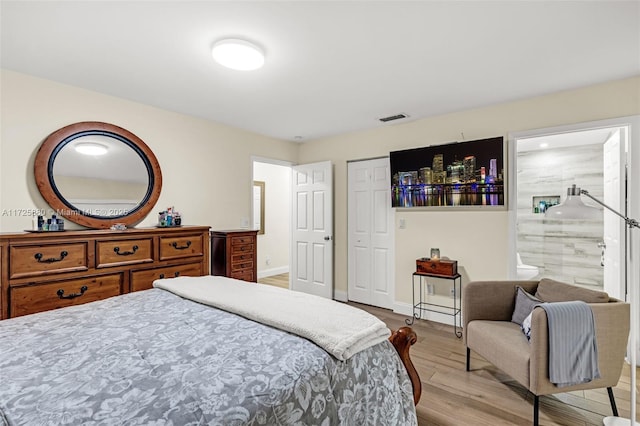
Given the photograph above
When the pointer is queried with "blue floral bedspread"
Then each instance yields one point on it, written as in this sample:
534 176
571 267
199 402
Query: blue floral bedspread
153 358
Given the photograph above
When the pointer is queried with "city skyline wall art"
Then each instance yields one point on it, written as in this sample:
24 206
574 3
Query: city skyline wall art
457 174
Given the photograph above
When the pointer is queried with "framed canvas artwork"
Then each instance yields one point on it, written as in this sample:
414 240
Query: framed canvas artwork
460 174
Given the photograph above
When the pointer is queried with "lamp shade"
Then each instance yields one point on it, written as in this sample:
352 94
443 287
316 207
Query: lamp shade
573 208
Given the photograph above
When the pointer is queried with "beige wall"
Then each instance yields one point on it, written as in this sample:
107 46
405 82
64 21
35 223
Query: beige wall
477 240
206 166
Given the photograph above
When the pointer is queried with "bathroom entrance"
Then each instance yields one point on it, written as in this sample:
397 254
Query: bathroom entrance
588 252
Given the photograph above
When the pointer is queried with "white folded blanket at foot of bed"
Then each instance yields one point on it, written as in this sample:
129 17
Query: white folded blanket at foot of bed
340 329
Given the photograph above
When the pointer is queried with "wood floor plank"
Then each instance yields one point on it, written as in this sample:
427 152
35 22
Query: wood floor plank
485 396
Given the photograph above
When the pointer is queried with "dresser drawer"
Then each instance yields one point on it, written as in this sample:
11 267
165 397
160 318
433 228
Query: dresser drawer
243 244
123 252
181 246
30 299
34 260
143 279
242 257
242 265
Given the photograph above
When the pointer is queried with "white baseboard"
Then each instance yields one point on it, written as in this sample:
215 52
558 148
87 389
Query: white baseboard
340 296
402 308
407 309
273 271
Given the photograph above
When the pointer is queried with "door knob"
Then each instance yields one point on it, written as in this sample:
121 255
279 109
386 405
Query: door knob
327 237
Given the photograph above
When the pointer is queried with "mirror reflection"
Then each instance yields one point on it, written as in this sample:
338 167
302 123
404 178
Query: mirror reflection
100 175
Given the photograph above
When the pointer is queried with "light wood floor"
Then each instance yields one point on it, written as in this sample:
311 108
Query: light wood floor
281 280
484 396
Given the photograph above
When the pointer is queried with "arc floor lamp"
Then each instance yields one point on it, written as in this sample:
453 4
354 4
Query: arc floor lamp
574 208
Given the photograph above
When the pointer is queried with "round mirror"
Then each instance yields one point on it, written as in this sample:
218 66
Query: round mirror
97 174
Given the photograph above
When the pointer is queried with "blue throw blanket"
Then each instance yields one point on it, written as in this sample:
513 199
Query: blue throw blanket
573 354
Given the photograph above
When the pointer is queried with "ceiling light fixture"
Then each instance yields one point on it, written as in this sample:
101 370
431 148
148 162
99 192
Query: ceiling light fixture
91 148
238 54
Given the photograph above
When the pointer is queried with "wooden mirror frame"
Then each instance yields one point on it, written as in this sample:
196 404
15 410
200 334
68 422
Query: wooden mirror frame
43 171
260 185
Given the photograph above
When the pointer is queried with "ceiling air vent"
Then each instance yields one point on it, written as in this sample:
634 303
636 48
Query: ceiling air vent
393 117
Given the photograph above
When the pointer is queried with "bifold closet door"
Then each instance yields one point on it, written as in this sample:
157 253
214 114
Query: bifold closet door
370 233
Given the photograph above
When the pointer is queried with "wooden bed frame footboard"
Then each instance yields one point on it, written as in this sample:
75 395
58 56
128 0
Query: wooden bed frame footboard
402 339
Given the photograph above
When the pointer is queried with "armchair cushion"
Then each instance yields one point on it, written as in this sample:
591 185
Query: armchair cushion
525 302
555 291
502 340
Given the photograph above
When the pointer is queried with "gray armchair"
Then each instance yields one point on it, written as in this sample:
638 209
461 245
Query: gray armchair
487 309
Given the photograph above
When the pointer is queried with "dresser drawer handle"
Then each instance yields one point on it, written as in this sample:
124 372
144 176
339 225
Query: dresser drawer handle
175 274
39 258
61 295
125 253
175 245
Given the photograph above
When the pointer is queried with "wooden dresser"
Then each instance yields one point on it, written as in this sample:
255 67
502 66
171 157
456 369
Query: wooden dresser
233 254
43 271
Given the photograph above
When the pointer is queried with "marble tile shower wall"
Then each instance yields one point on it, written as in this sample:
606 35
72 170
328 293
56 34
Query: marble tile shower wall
563 250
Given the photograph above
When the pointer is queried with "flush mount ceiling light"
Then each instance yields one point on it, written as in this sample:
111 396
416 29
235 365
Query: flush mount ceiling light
91 148
238 54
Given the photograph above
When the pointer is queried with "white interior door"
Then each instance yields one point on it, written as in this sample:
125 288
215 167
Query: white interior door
614 227
312 230
370 233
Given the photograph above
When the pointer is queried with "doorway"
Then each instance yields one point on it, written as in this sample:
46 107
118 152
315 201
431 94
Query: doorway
271 207
588 252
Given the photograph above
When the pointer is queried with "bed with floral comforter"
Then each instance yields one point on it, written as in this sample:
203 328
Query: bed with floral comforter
154 358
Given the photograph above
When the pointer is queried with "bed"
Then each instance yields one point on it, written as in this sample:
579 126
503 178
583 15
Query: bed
160 357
